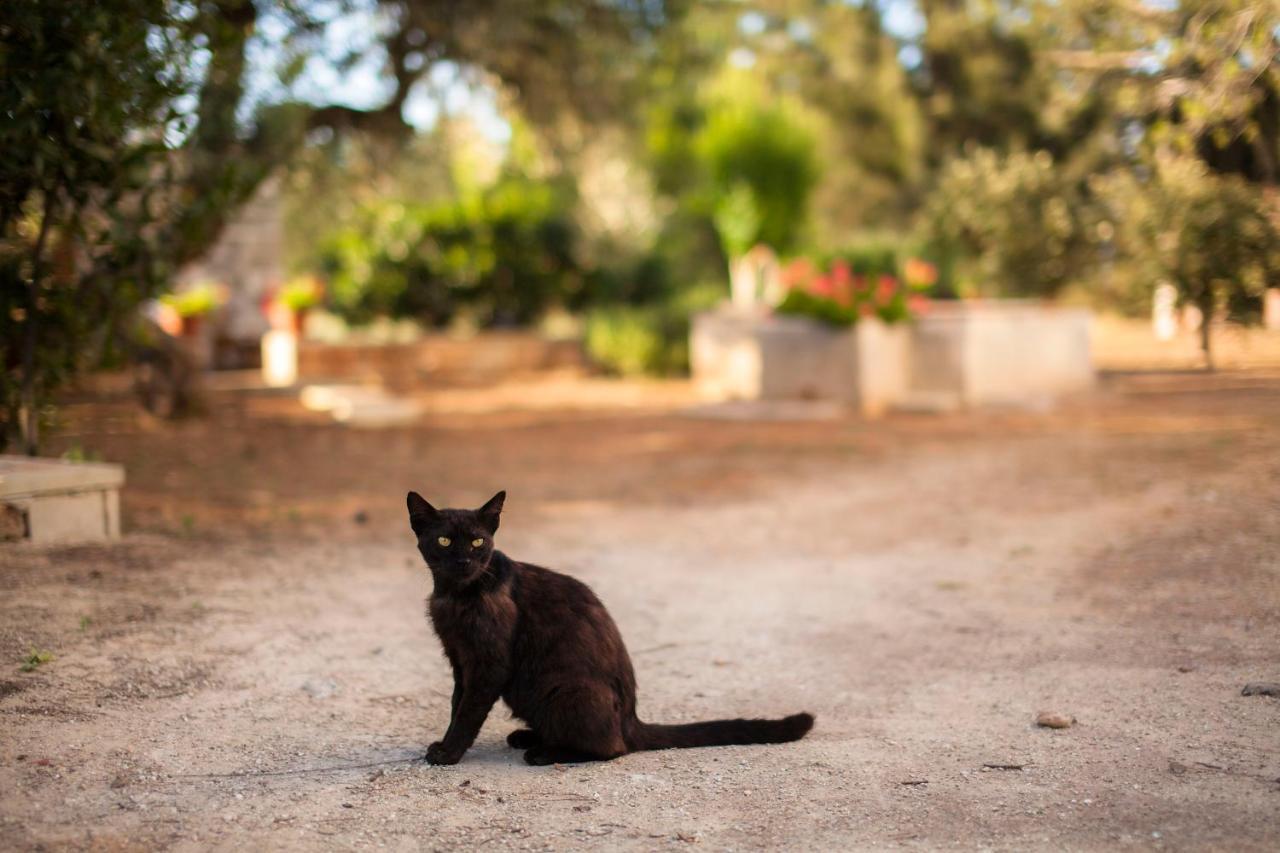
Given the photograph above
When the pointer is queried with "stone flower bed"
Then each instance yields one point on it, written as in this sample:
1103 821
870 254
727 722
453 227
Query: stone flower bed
748 356
955 354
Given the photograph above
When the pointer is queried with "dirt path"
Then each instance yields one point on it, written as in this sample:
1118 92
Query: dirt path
924 588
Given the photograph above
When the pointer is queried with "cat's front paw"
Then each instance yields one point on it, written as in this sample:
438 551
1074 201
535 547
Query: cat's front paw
438 754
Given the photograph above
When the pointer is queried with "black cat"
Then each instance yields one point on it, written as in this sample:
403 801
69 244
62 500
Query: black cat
545 644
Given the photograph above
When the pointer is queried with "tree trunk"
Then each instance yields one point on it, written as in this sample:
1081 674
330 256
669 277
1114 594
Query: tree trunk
1206 317
29 405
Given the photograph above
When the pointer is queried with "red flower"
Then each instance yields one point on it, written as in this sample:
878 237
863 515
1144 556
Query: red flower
917 304
840 272
886 286
841 283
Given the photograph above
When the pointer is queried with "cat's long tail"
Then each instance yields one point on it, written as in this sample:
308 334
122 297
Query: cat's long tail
719 732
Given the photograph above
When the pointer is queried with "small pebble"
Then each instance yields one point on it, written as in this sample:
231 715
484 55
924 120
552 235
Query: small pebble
1050 720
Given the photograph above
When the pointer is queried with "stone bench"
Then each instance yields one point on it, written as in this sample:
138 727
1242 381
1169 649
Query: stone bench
52 501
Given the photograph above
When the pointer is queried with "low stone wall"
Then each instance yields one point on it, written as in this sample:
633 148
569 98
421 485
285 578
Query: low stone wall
958 354
438 360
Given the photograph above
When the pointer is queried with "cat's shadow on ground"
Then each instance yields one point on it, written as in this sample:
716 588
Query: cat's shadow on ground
496 754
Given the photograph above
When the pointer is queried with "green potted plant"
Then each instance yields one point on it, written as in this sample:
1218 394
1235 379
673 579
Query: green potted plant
190 305
287 308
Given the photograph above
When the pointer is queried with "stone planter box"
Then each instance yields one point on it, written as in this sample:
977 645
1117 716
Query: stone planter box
50 501
999 352
742 355
959 354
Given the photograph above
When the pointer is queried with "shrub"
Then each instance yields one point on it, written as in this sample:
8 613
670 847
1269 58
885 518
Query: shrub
1016 224
763 166
502 257
633 340
1214 237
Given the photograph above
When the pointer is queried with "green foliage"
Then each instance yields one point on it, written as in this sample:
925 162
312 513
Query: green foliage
35 658
300 293
801 303
636 340
501 257
633 340
762 164
1214 237
131 132
87 97
195 301
738 219
77 453
1018 225
982 82
840 62
870 258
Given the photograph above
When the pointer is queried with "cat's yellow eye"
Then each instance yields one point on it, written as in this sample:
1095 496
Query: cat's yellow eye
476 543
444 541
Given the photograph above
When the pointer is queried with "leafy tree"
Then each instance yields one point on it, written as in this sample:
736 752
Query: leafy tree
978 80
1019 222
1214 237
86 104
1199 77
130 136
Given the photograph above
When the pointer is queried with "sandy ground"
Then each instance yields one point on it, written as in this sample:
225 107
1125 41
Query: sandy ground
250 668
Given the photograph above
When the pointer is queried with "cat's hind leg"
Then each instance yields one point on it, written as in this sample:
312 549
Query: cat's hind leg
581 723
524 739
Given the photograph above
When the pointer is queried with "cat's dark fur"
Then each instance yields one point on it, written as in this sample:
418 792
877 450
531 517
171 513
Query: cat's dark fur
545 644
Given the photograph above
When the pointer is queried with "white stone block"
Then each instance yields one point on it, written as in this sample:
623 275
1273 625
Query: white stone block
736 355
1001 352
62 502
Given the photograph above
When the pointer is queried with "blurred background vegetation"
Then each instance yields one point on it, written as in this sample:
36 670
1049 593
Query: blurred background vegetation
597 163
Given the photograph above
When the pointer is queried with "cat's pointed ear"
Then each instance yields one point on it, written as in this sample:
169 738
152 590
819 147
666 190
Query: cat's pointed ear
492 511
419 510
